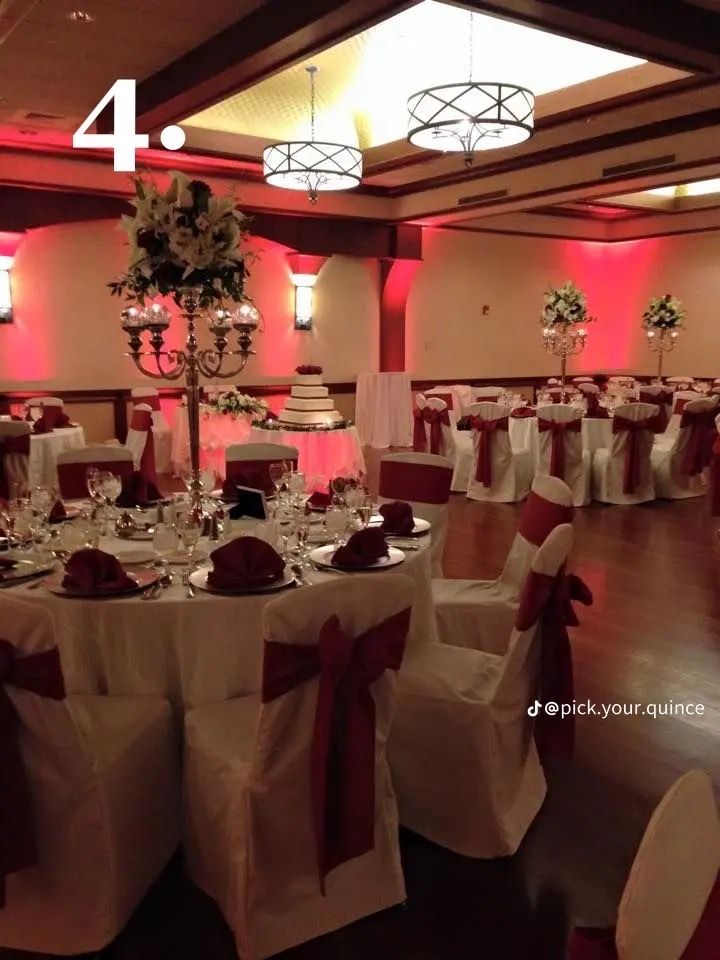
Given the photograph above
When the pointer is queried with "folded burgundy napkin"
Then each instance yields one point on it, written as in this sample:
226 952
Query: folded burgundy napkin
397 518
522 412
95 571
319 500
137 491
245 563
58 512
40 426
362 549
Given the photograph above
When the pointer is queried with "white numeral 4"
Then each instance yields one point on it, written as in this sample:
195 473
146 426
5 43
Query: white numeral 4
123 141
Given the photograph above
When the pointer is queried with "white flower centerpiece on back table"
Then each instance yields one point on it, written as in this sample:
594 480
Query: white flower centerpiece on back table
662 322
186 243
563 321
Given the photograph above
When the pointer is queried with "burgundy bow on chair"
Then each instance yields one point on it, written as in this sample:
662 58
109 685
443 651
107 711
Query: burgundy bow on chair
698 451
419 435
633 428
548 600
557 453
436 419
343 741
661 399
9 445
41 674
486 430
142 422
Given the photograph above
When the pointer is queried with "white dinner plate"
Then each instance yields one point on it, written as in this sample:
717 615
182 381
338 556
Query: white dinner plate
135 556
199 579
322 557
421 526
24 569
142 578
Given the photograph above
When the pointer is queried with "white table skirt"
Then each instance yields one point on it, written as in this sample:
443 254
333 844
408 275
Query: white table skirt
321 453
383 409
192 651
217 431
44 450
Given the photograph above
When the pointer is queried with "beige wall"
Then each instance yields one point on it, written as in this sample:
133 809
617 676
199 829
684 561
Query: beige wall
67 335
66 332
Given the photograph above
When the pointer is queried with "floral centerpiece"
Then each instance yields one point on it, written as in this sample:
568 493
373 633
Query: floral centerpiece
308 370
235 404
184 239
565 305
664 313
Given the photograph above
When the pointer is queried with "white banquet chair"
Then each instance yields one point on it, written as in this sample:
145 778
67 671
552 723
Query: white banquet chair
463 758
679 399
103 781
560 449
499 473
462 394
448 395
254 806
622 473
670 907
678 466
432 427
14 458
140 442
422 480
488 394
72 467
479 613
579 380
662 397
248 464
162 434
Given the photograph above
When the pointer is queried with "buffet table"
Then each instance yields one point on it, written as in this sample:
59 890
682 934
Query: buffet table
323 454
193 651
44 450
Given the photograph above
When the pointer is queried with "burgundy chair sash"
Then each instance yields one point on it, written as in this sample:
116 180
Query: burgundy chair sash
715 478
142 422
592 943
594 410
486 431
680 404
342 759
253 473
698 450
633 428
547 601
557 452
4 407
72 477
41 674
153 402
436 419
419 434
8 445
661 400
419 482
539 518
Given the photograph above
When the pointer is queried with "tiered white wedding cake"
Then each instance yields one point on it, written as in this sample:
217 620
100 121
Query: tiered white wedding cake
309 404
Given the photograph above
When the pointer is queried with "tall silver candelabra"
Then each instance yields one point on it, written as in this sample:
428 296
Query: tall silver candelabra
564 340
661 341
192 361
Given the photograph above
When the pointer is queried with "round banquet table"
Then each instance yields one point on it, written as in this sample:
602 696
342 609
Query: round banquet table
192 651
321 453
384 409
44 450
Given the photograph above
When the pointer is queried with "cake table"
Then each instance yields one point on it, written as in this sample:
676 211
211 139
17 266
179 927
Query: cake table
321 453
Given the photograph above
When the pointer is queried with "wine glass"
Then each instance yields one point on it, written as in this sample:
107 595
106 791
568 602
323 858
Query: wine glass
42 500
91 480
189 529
165 539
365 509
109 485
335 522
302 531
296 486
276 472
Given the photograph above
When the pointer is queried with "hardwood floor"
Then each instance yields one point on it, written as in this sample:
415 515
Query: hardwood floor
653 635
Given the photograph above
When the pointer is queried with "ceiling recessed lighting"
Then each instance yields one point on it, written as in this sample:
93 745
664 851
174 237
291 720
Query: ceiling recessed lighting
80 16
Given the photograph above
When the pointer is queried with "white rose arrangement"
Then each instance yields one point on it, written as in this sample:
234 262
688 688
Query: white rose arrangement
236 403
565 304
664 313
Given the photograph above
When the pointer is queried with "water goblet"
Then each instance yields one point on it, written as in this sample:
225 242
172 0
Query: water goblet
165 539
92 475
365 509
276 472
302 532
336 522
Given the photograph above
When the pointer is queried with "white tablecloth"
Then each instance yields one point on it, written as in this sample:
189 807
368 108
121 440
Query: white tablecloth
217 431
44 450
383 409
193 651
322 453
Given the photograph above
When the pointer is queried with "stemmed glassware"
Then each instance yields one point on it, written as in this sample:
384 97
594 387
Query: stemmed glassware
190 528
276 472
302 532
92 475
336 522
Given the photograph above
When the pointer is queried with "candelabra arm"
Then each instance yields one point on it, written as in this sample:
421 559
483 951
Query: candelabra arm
211 364
174 374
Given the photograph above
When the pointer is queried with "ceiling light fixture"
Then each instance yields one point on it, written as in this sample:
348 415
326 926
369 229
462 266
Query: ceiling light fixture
312 165
470 116
80 16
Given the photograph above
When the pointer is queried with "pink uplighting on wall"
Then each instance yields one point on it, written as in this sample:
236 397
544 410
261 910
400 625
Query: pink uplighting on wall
398 277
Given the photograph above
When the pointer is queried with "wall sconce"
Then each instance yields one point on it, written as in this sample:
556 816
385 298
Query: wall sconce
6 308
304 269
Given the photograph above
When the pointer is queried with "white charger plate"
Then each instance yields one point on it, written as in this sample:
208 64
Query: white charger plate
421 526
135 556
322 557
199 579
24 569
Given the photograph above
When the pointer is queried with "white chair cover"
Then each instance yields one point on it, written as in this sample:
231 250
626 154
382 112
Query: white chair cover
576 472
423 481
451 399
462 394
480 613
104 783
161 429
680 398
579 380
489 394
73 464
51 402
671 481
673 873
508 470
463 758
610 483
14 463
249 831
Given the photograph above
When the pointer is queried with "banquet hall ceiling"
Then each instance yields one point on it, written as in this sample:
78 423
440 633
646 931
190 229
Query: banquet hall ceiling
628 100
